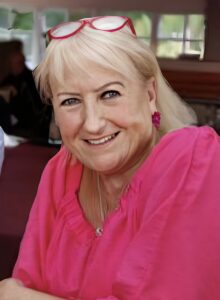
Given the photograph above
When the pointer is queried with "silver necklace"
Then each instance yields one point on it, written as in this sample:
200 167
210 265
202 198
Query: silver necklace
99 230
102 213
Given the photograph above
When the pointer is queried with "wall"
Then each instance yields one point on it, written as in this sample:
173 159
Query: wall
190 65
212 50
195 6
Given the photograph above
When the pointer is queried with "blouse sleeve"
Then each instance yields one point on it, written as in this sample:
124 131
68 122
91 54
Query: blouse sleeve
175 254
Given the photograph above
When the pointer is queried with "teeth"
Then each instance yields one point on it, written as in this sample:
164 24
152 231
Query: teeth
101 141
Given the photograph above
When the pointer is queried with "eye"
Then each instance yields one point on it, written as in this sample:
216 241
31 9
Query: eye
70 102
110 94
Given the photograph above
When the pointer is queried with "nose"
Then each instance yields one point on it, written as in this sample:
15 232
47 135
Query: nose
94 119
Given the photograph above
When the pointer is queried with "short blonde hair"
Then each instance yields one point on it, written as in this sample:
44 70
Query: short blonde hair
119 51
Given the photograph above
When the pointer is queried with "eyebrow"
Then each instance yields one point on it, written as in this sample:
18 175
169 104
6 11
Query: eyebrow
96 90
107 84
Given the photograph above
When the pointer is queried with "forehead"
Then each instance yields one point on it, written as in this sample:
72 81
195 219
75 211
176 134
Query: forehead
94 77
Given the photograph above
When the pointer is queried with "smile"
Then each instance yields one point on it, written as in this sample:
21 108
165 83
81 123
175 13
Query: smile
103 140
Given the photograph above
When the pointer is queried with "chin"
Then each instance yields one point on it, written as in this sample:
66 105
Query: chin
108 168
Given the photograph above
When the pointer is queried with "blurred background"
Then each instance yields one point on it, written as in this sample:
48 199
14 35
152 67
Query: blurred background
184 35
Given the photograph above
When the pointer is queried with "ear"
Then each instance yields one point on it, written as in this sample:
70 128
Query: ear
152 94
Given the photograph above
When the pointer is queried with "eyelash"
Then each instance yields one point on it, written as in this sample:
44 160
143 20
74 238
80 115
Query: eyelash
70 101
110 94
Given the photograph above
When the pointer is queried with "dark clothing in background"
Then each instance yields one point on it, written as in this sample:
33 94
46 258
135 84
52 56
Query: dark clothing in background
32 116
5 120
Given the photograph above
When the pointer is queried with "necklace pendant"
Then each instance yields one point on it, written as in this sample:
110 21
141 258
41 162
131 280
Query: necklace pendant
99 231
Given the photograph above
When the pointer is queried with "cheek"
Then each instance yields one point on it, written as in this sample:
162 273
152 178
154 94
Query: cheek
67 123
139 117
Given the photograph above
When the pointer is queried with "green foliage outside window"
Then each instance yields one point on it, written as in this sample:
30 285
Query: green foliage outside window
180 34
195 27
4 18
141 21
77 15
169 49
171 26
54 17
22 21
176 34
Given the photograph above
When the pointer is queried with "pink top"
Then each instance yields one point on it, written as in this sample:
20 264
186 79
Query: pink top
162 243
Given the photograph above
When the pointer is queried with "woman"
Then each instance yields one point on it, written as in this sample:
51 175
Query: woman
128 208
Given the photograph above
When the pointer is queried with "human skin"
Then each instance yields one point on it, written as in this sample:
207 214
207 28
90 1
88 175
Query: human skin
12 289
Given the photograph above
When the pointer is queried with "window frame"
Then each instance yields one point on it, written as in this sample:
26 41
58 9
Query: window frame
38 31
183 40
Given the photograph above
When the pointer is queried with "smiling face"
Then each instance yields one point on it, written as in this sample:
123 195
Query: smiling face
105 119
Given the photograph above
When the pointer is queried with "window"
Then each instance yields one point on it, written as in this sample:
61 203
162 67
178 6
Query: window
141 20
80 14
15 25
54 17
4 20
51 18
169 35
180 35
22 29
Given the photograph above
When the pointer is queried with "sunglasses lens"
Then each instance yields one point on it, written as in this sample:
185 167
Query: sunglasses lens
108 23
65 29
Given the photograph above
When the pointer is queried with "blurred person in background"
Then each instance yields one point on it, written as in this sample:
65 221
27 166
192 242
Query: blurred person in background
23 113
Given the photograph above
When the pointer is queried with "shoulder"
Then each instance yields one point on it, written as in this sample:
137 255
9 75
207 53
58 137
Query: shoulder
60 158
61 174
198 150
188 142
183 156
61 161
178 151
190 135
184 170
194 132
190 147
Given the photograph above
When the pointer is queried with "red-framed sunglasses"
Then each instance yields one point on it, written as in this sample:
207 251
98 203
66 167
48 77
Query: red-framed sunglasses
106 23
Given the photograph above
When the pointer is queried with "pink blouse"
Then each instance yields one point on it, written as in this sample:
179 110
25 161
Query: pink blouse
162 243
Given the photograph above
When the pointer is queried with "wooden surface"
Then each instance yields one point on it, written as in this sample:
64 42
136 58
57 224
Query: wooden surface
19 180
194 85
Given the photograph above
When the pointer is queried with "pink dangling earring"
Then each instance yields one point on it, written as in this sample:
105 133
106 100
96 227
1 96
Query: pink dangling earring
156 119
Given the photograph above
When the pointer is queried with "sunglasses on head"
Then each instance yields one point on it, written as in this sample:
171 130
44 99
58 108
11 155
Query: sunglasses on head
106 23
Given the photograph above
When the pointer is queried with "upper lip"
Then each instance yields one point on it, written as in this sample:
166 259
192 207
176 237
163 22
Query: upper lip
101 137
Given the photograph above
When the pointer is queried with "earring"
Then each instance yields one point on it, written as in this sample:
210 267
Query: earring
156 119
